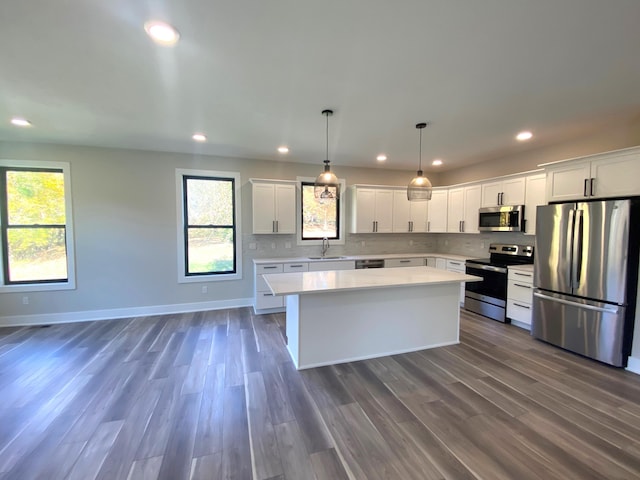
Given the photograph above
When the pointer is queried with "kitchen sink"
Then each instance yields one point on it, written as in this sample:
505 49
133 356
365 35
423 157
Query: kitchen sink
325 258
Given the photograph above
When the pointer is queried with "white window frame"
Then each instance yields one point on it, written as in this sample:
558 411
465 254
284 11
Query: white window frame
341 240
182 277
70 284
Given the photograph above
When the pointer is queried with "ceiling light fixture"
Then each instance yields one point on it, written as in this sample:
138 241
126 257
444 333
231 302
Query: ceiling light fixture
283 149
327 186
437 162
20 122
199 137
419 189
381 158
162 33
523 136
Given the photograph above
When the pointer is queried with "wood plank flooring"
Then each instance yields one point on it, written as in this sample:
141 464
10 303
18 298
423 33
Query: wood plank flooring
214 395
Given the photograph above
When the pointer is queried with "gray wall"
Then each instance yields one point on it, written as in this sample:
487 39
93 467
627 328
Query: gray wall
124 206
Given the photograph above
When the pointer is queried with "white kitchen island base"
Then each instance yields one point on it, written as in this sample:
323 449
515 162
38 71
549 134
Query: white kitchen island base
326 328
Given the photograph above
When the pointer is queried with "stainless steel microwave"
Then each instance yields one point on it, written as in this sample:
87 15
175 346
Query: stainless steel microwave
505 218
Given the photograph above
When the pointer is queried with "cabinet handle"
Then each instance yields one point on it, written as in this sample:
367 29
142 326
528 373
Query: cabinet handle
523 286
498 200
428 226
462 223
584 190
523 274
405 261
277 226
454 263
522 306
267 295
269 268
296 266
373 227
591 185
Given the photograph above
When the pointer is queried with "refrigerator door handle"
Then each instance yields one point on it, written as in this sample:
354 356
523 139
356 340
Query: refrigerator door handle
571 248
578 237
613 310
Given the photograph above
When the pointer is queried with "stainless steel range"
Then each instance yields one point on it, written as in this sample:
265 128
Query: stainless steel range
489 297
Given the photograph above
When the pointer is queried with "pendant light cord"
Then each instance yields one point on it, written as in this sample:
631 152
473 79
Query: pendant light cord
420 161
327 115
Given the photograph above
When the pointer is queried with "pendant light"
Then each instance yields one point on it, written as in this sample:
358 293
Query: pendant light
419 189
327 186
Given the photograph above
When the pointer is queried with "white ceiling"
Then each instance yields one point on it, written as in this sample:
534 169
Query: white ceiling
255 74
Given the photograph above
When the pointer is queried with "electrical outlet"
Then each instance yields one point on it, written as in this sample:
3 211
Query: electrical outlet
25 300
205 289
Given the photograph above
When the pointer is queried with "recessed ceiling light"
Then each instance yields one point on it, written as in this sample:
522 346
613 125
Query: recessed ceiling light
381 158
283 149
20 122
199 137
436 162
162 33
522 136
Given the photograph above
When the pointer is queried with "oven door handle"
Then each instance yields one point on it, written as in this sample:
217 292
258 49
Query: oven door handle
491 268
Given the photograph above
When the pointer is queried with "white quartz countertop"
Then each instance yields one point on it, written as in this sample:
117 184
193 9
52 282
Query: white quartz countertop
448 256
330 281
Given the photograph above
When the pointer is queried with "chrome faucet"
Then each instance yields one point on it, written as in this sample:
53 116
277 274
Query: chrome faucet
325 246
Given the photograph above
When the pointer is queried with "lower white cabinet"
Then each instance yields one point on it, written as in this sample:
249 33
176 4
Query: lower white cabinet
404 262
457 266
265 302
520 296
264 299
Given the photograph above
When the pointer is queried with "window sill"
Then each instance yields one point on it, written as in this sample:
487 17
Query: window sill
37 287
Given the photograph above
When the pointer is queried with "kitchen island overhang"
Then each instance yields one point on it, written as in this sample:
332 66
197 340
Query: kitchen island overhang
348 315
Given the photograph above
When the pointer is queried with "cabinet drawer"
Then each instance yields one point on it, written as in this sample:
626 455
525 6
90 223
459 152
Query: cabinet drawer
326 265
269 268
520 276
521 292
404 262
267 300
519 311
455 266
296 267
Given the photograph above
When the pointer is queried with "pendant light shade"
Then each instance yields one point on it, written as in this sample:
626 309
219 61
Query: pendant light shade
419 189
327 186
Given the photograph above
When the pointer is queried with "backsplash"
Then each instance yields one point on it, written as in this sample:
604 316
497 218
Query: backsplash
477 246
471 245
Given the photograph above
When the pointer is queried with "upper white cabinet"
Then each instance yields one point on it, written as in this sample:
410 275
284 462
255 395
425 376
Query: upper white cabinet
464 203
408 216
611 174
508 191
437 211
371 209
273 206
534 196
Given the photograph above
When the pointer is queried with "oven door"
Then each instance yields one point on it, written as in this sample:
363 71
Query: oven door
493 285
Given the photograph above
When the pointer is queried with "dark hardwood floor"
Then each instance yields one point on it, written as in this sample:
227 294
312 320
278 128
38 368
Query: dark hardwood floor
214 395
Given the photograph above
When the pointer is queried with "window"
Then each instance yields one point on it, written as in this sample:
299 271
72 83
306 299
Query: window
35 213
209 234
319 219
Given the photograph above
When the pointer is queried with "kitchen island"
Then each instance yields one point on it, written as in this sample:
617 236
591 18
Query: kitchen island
346 315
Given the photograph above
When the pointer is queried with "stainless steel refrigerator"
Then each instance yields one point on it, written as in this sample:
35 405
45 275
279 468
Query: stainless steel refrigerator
586 277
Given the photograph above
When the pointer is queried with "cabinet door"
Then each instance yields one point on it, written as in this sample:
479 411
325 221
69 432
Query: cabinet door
566 182
285 204
534 196
418 216
513 191
401 211
491 194
455 212
472 197
437 212
263 205
384 211
616 176
441 263
364 213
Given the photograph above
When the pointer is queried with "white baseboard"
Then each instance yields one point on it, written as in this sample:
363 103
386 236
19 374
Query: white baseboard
110 314
633 365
